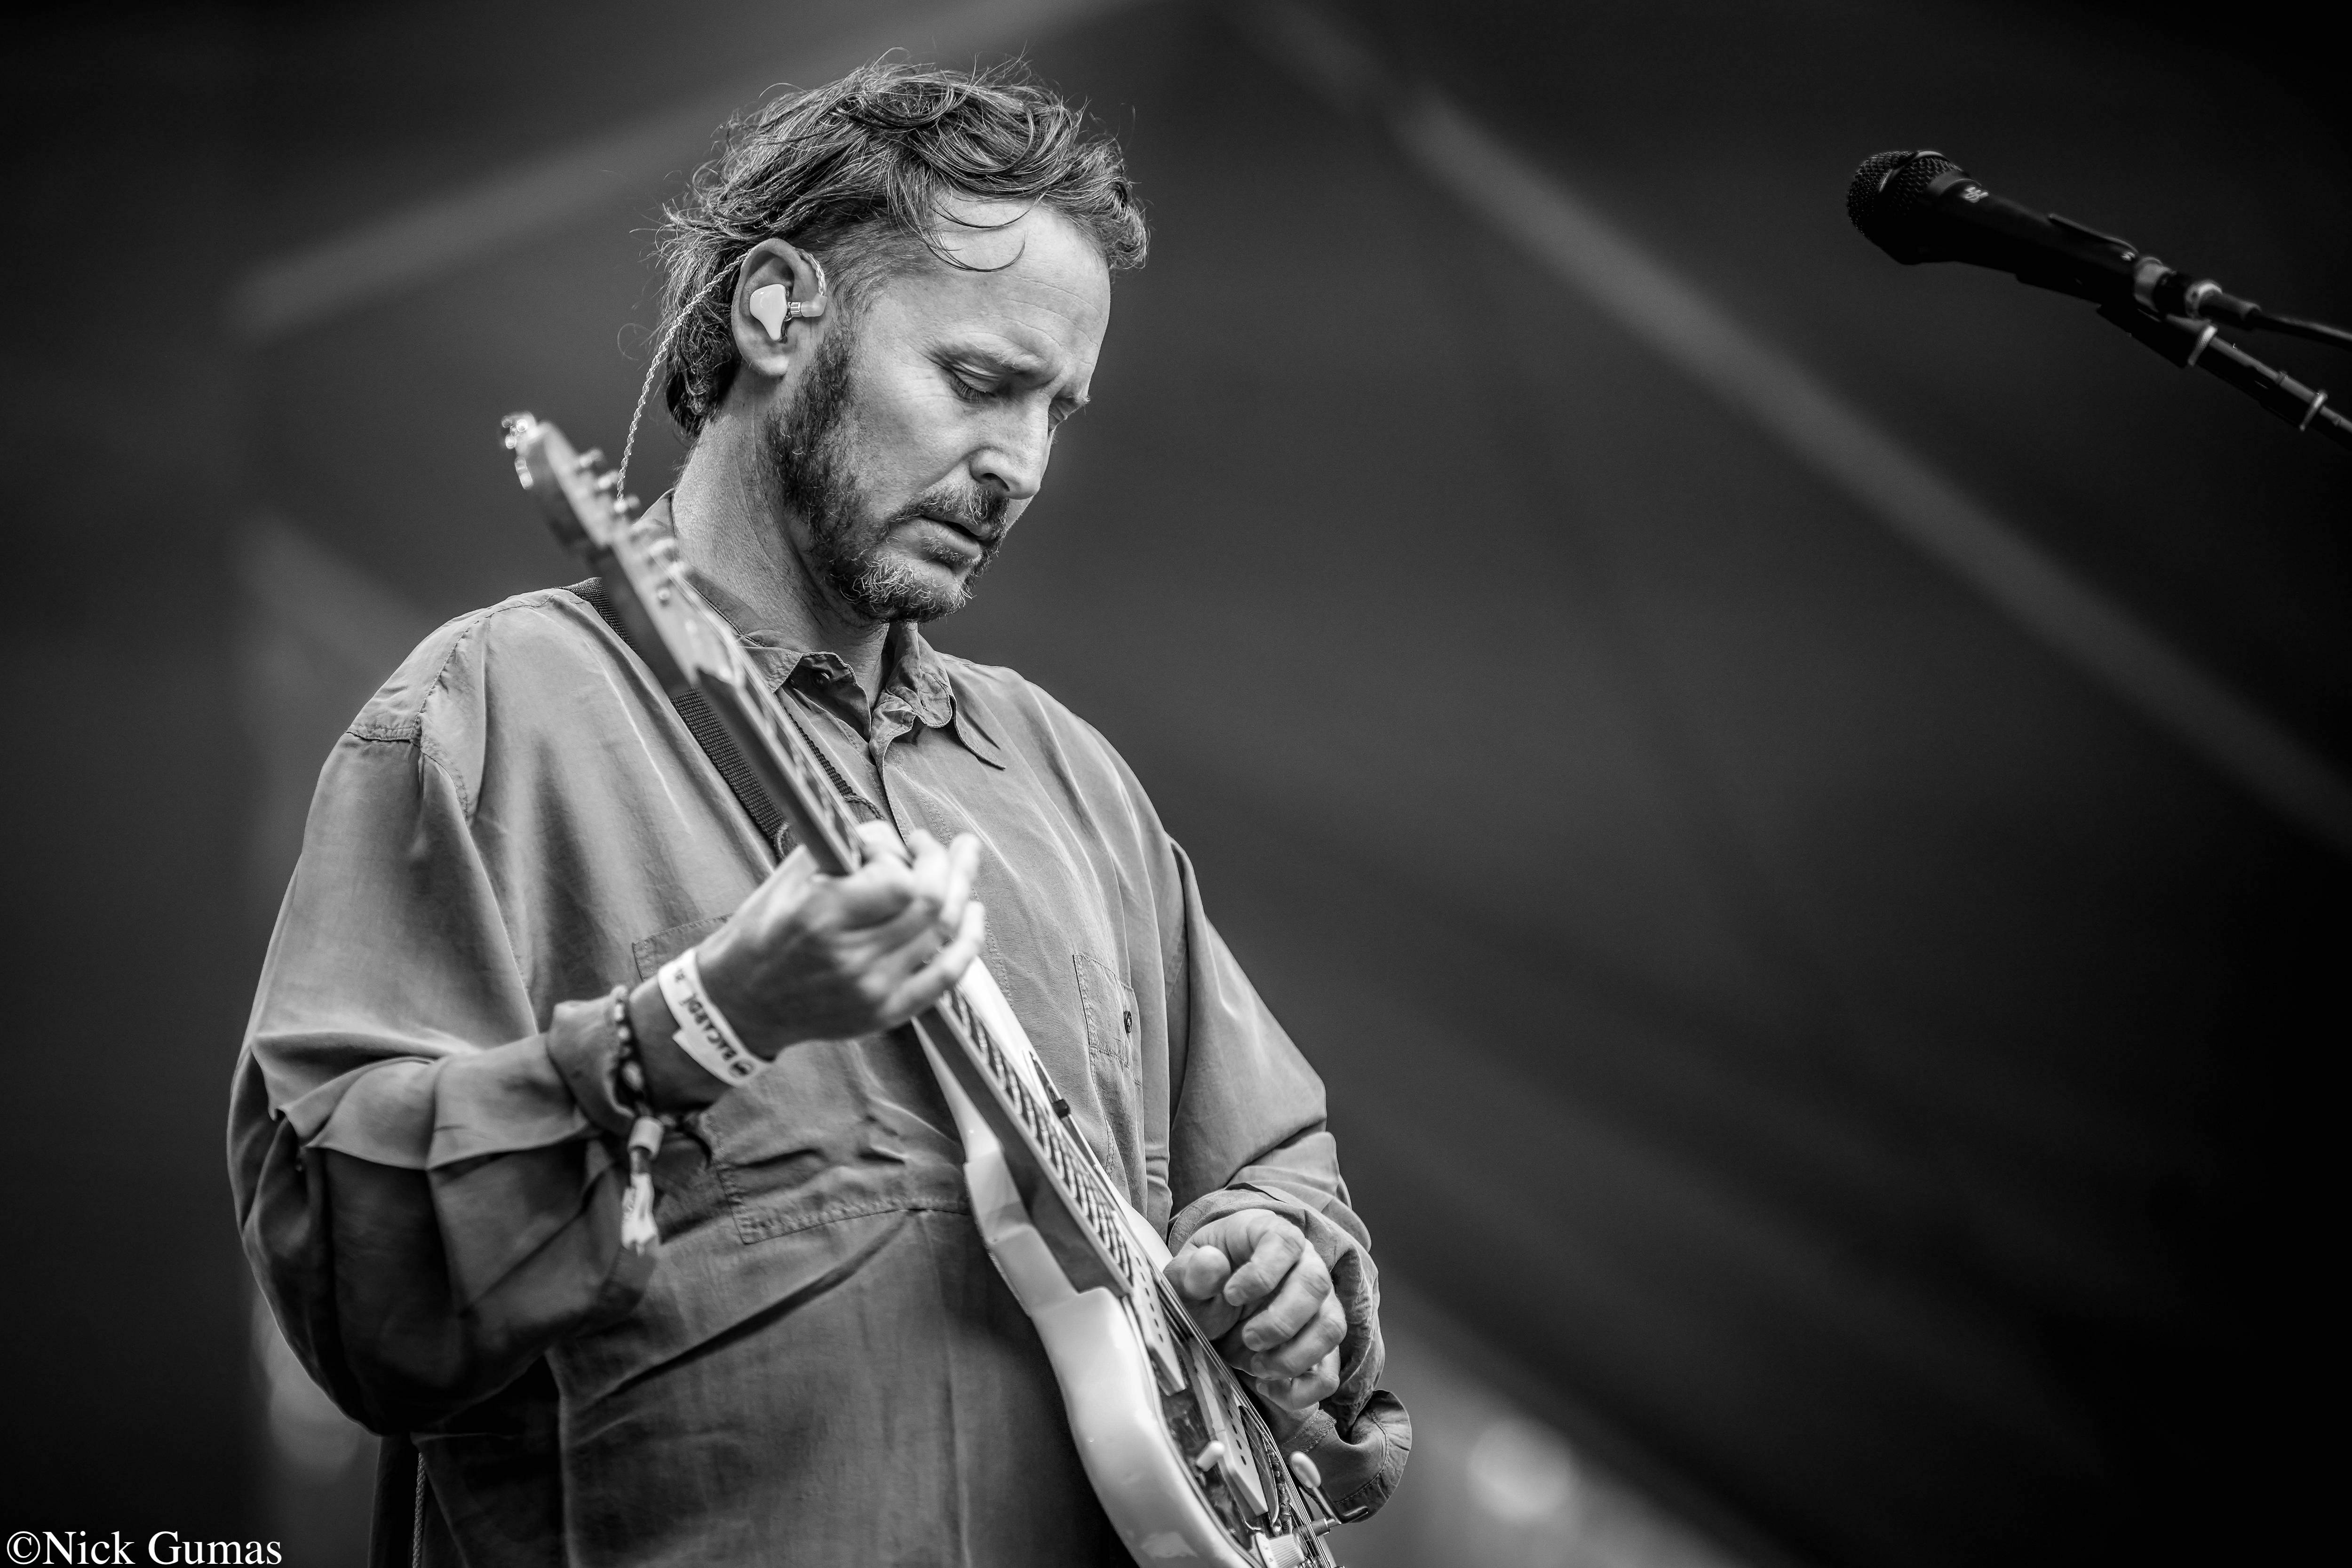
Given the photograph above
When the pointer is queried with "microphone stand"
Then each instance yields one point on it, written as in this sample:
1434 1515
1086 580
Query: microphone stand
2186 342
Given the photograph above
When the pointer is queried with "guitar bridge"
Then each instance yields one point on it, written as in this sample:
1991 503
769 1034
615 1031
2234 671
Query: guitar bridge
1293 1551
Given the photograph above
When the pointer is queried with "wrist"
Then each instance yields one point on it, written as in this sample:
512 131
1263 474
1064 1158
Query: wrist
704 1032
674 1080
729 990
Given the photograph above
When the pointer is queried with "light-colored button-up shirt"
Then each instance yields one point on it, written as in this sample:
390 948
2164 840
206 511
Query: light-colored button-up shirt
819 1365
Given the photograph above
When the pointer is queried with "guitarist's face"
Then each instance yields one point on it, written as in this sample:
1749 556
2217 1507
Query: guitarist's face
923 425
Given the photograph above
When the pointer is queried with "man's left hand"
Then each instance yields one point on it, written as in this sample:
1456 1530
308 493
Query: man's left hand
1258 1290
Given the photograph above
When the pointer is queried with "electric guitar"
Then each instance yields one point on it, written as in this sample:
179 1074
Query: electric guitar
1183 1460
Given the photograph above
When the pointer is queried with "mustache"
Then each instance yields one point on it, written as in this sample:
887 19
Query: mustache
980 512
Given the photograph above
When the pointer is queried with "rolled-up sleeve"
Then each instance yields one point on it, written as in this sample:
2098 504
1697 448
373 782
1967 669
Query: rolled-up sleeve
1248 1131
426 1177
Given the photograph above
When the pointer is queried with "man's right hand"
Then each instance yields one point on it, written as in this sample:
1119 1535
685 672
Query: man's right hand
811 957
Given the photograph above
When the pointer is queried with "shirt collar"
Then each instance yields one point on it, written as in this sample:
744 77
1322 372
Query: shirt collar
917 689
922 680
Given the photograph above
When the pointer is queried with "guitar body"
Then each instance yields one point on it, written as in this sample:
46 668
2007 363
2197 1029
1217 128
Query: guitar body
1182 1459
1108 1388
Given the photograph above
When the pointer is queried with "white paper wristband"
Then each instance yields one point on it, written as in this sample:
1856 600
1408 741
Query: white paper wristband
703 1032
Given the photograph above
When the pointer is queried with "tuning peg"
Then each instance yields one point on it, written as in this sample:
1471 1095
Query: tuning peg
518 427
628 505
591 456
609 482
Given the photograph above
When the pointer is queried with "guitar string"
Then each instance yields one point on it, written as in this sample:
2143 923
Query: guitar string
1082 1172
1179 1327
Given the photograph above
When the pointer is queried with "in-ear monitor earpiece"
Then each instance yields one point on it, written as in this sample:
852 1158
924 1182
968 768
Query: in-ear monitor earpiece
771 304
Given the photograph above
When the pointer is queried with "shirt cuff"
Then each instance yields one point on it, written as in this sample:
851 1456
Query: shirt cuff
586 1050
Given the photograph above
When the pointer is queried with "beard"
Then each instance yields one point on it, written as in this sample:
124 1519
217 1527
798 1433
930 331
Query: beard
811 471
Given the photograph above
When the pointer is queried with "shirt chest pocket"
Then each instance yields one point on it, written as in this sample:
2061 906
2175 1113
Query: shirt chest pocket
1110 1005
1114 1060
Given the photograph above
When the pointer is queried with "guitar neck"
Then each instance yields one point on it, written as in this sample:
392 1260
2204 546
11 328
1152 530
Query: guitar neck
693 651
988 1072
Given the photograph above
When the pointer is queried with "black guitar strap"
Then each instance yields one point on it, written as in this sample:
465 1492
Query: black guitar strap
720 746
402 1495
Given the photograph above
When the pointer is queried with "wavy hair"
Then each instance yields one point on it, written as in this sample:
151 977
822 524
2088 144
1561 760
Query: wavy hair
861 174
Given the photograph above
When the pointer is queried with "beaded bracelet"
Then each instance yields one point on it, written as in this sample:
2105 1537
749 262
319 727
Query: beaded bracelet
647 1127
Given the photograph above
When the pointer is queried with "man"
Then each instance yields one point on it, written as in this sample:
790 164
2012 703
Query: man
884 296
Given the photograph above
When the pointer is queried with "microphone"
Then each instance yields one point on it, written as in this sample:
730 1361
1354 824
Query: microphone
1922 206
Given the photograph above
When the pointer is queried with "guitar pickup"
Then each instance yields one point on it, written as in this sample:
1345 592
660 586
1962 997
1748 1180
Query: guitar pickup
1159 1340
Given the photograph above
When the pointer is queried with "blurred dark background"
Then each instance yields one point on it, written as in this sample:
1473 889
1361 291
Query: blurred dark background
1835 1063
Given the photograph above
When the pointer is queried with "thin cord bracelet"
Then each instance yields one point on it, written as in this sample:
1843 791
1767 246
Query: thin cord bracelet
646 1128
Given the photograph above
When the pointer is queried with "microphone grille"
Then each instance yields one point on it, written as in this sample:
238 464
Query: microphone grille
1888 190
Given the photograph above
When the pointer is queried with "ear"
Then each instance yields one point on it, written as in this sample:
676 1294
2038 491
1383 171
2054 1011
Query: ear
779 308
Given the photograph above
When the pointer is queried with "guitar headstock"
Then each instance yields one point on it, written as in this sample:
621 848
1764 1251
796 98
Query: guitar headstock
677 632
580 497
